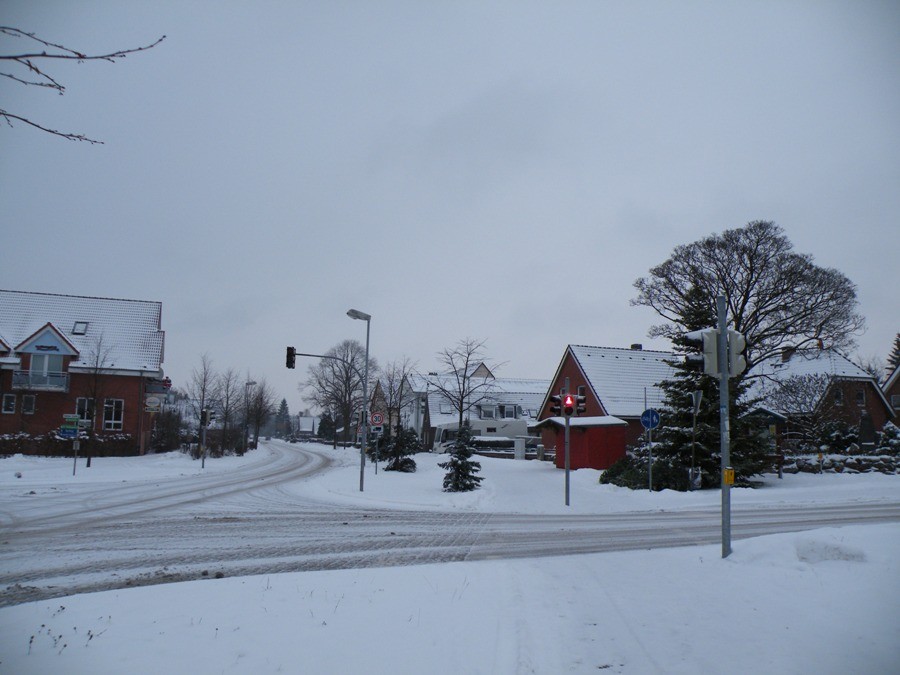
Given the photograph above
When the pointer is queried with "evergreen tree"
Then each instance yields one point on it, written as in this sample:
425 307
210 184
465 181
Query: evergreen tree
674 449
461 469
282 419
894 356
326 427
397 448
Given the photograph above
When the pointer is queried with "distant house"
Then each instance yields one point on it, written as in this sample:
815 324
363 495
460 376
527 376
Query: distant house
505 407
891 389
805 384
618 385
97 358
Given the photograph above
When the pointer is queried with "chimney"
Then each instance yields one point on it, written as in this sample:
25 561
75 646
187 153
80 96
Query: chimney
637 346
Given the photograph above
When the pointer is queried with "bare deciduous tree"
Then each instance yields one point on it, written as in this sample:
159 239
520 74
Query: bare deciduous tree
335 383
262 406
460 385
203 387
775 297
395 387
29 69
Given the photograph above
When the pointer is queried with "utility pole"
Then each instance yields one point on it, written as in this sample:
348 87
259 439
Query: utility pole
724 426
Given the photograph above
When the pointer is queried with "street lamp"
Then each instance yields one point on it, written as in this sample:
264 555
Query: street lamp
247 386
362 316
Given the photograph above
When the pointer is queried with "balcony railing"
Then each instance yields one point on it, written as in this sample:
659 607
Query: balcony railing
34 380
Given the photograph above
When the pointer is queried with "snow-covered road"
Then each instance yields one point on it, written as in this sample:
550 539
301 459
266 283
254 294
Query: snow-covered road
259 519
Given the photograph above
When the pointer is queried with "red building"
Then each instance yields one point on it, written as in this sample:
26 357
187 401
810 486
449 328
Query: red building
618 385
97 358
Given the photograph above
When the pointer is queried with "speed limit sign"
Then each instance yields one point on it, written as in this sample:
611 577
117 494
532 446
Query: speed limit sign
377 419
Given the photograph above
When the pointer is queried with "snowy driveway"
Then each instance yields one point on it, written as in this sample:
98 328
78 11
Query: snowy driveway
57 541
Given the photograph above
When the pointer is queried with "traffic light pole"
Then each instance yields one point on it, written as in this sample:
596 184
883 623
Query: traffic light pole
564 393
724 424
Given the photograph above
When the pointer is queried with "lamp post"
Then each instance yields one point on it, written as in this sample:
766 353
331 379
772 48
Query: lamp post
247 386
362 316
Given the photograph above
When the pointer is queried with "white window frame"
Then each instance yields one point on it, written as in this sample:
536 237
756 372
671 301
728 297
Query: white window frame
26 408
82 409
115 421
838 396
42 363
861 397
7 408
487 412
508 412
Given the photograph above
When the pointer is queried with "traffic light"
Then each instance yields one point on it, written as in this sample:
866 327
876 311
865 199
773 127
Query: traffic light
580 403
204 417
291 357
555 405
737 363
705 340
568 405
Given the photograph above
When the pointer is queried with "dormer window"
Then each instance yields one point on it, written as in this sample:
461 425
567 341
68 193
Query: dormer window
80 328
487 412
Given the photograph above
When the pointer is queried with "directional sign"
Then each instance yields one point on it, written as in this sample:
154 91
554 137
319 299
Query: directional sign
377 419
650 418
67 432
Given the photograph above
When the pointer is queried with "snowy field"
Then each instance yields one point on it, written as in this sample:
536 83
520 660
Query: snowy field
824 601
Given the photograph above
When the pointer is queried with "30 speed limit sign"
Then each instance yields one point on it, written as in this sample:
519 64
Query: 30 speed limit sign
377 419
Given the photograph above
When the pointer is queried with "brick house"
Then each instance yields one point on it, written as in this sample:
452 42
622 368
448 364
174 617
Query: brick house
891 389
805 384
98 358
618 385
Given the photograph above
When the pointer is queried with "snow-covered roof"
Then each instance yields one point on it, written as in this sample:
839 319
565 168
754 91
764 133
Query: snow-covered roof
525 393
620 377
768 374
129 329
597 421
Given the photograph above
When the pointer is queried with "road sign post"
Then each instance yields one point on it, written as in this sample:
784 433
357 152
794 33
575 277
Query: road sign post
650 420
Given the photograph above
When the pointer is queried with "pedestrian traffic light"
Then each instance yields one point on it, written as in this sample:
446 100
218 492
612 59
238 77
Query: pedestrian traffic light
204 417
555 405
291 357
568 405
580 404
737 363
706 341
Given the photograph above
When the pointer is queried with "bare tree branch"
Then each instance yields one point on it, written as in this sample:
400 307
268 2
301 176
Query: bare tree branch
30 62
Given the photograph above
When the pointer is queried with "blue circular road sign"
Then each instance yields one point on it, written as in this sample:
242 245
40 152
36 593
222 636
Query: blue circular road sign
650 418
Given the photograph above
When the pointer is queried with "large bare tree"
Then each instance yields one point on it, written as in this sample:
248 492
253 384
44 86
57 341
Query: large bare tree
202 387
395 387
775 296
261 406
335 383
460 383
28 67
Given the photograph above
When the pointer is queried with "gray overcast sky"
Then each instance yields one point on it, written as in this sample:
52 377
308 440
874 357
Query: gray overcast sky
447 167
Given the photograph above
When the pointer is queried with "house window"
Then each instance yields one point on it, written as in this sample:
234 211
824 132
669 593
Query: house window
80 328
860 397
445 409
838 397
84 408
488 412
113 409
28 404
9 404
581 390
508 411
46 363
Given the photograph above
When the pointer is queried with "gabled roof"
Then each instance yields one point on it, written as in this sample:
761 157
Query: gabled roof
48 327
525 393
129 329
620 378
768 374
891 380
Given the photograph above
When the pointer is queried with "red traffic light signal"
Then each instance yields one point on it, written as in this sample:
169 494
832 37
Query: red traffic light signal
568 405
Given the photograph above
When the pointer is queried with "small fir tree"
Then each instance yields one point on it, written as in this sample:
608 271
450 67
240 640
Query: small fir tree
397 448
326 427
894 356
461 469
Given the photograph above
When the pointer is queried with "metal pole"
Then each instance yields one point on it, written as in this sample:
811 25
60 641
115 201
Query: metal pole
564 393
365 420
724 424
649 449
